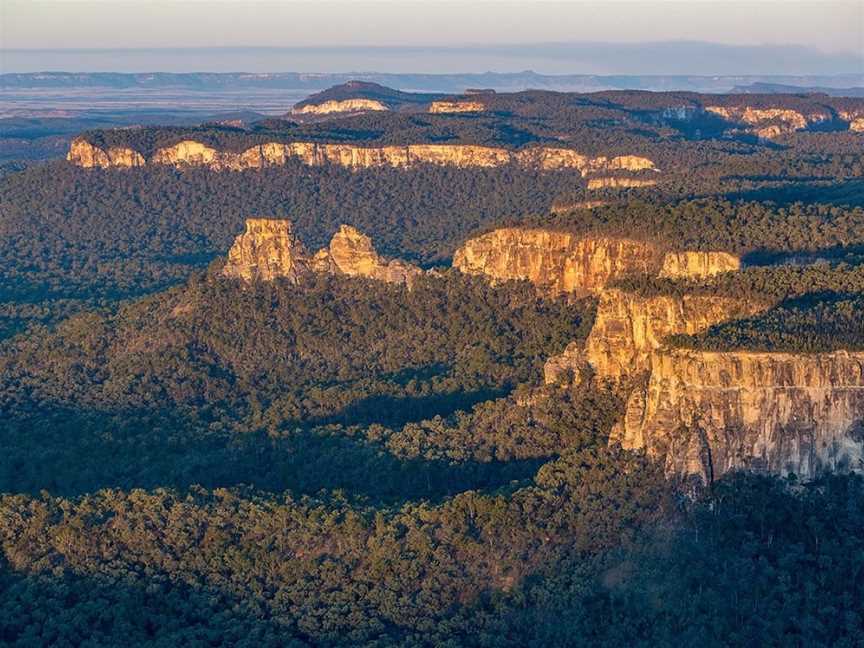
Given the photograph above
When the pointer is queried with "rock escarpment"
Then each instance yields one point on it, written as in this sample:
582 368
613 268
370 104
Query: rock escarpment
563 262
768 123
707 413
698 265
628 328
84 154
456 106
555 261
269 249
351 253
619 183
341 106
193 153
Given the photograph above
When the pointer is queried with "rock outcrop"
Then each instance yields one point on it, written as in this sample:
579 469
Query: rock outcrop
341 106
84 154
768 123
855 119
628 328
567 207
563 262
619 183
269 249
193 153
456 106
708 413
698 265
351 253
556 261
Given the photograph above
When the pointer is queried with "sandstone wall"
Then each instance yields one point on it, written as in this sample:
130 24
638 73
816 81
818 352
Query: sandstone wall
708 413
192 153
698 265
556 262
345 105
628 328
456 106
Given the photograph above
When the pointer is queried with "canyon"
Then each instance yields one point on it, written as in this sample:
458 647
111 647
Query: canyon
269 249
192 153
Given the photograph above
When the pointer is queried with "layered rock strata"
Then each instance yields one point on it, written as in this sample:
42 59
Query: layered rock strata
628 328
619 183
555 261
456 106
84 154
768 123
193 153
562 262
269 249
698 265
343 106
708 413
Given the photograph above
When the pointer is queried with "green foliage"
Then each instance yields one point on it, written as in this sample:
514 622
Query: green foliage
750 228
95 237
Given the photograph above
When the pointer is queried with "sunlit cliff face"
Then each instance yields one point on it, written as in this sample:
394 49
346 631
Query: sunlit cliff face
192 153
269 249
707 413
345 105
562 262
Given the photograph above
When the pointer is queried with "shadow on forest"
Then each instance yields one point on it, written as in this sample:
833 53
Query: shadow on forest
848 193
849 254
71 453
151 611
396 411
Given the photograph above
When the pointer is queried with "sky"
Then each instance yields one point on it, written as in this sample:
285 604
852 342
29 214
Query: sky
832 30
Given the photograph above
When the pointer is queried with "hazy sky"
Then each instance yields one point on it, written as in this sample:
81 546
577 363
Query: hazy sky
831 26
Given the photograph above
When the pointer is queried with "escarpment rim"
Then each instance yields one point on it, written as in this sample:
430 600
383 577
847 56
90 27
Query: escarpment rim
190 152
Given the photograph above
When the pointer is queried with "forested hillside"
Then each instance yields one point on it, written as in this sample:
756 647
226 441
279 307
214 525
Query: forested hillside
326 459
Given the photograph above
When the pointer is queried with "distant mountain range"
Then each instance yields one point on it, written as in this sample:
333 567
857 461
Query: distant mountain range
836 85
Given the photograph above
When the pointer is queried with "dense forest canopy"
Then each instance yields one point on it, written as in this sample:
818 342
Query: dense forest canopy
191 460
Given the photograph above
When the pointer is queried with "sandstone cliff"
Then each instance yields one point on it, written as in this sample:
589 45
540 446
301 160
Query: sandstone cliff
628 328
767 123
456 106
266 250
563 262
565 207
84 154
707 413
619 183
855 119
556 262
698 265
351 253
192 153
269 249
343 106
